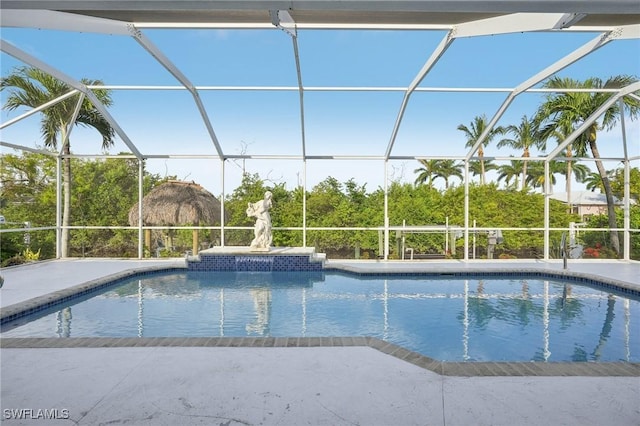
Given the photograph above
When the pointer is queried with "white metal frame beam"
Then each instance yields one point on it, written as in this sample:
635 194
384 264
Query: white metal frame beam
35 62
463 6
52 20
514 23
429 64
40 108
70 124
282 19
564 62
634 87
26 148
499 25
159 56
569 139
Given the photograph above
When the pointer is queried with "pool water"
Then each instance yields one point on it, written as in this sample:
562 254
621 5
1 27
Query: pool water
451 319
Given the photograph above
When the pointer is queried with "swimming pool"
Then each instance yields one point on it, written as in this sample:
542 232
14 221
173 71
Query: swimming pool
463 318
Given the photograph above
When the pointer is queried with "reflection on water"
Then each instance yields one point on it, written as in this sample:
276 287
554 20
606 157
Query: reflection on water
262 308
63 323
448 319
606 328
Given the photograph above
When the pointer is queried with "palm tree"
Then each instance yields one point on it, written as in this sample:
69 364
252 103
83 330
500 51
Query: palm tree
31 87
427 172
511 171
478 125
525 136
448 168
573 108
580 172
560 133
476 167
536 176
593 182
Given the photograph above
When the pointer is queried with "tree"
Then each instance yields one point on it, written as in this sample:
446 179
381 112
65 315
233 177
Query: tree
426 173
573 108
31 87
27 194
478 125
511 171
536 175
560 133
525 136
580 171
433 169
104 191
476 167
617 183
447 169
357 194
25 176
593 182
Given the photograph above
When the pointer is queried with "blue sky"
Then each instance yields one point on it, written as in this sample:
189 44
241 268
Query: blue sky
339 123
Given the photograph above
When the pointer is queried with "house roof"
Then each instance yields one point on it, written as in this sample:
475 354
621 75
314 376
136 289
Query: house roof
585 198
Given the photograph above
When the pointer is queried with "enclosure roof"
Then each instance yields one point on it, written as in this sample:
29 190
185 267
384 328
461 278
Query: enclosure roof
337 12
609 19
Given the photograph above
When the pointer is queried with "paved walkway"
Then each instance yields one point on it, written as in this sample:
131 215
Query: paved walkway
332 385
294 386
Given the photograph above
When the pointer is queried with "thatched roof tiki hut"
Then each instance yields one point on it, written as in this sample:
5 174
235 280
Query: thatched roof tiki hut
176 203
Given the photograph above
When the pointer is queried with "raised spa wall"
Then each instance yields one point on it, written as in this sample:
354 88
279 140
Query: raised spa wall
244 259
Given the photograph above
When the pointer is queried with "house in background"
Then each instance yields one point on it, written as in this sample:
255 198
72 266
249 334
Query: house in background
587 203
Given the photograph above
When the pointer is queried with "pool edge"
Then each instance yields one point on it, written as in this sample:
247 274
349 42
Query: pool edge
36 304
443 368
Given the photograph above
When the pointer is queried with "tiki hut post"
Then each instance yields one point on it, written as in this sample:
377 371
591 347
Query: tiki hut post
195 241
175 203
147 239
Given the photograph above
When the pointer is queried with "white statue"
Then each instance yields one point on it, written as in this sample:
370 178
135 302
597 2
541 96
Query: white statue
262 229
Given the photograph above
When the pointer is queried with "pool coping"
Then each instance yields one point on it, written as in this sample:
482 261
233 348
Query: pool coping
446 368
443 368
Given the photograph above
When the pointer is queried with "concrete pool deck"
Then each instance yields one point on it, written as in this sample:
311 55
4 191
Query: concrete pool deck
186 381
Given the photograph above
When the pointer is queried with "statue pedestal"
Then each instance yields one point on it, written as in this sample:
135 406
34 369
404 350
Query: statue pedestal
259 249
241 258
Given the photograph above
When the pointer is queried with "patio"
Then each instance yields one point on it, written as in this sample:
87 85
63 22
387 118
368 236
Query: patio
340 380
301 381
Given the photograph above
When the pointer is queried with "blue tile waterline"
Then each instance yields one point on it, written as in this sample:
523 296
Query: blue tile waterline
256 263
566 276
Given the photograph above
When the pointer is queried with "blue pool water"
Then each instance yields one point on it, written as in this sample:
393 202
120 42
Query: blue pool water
452 319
